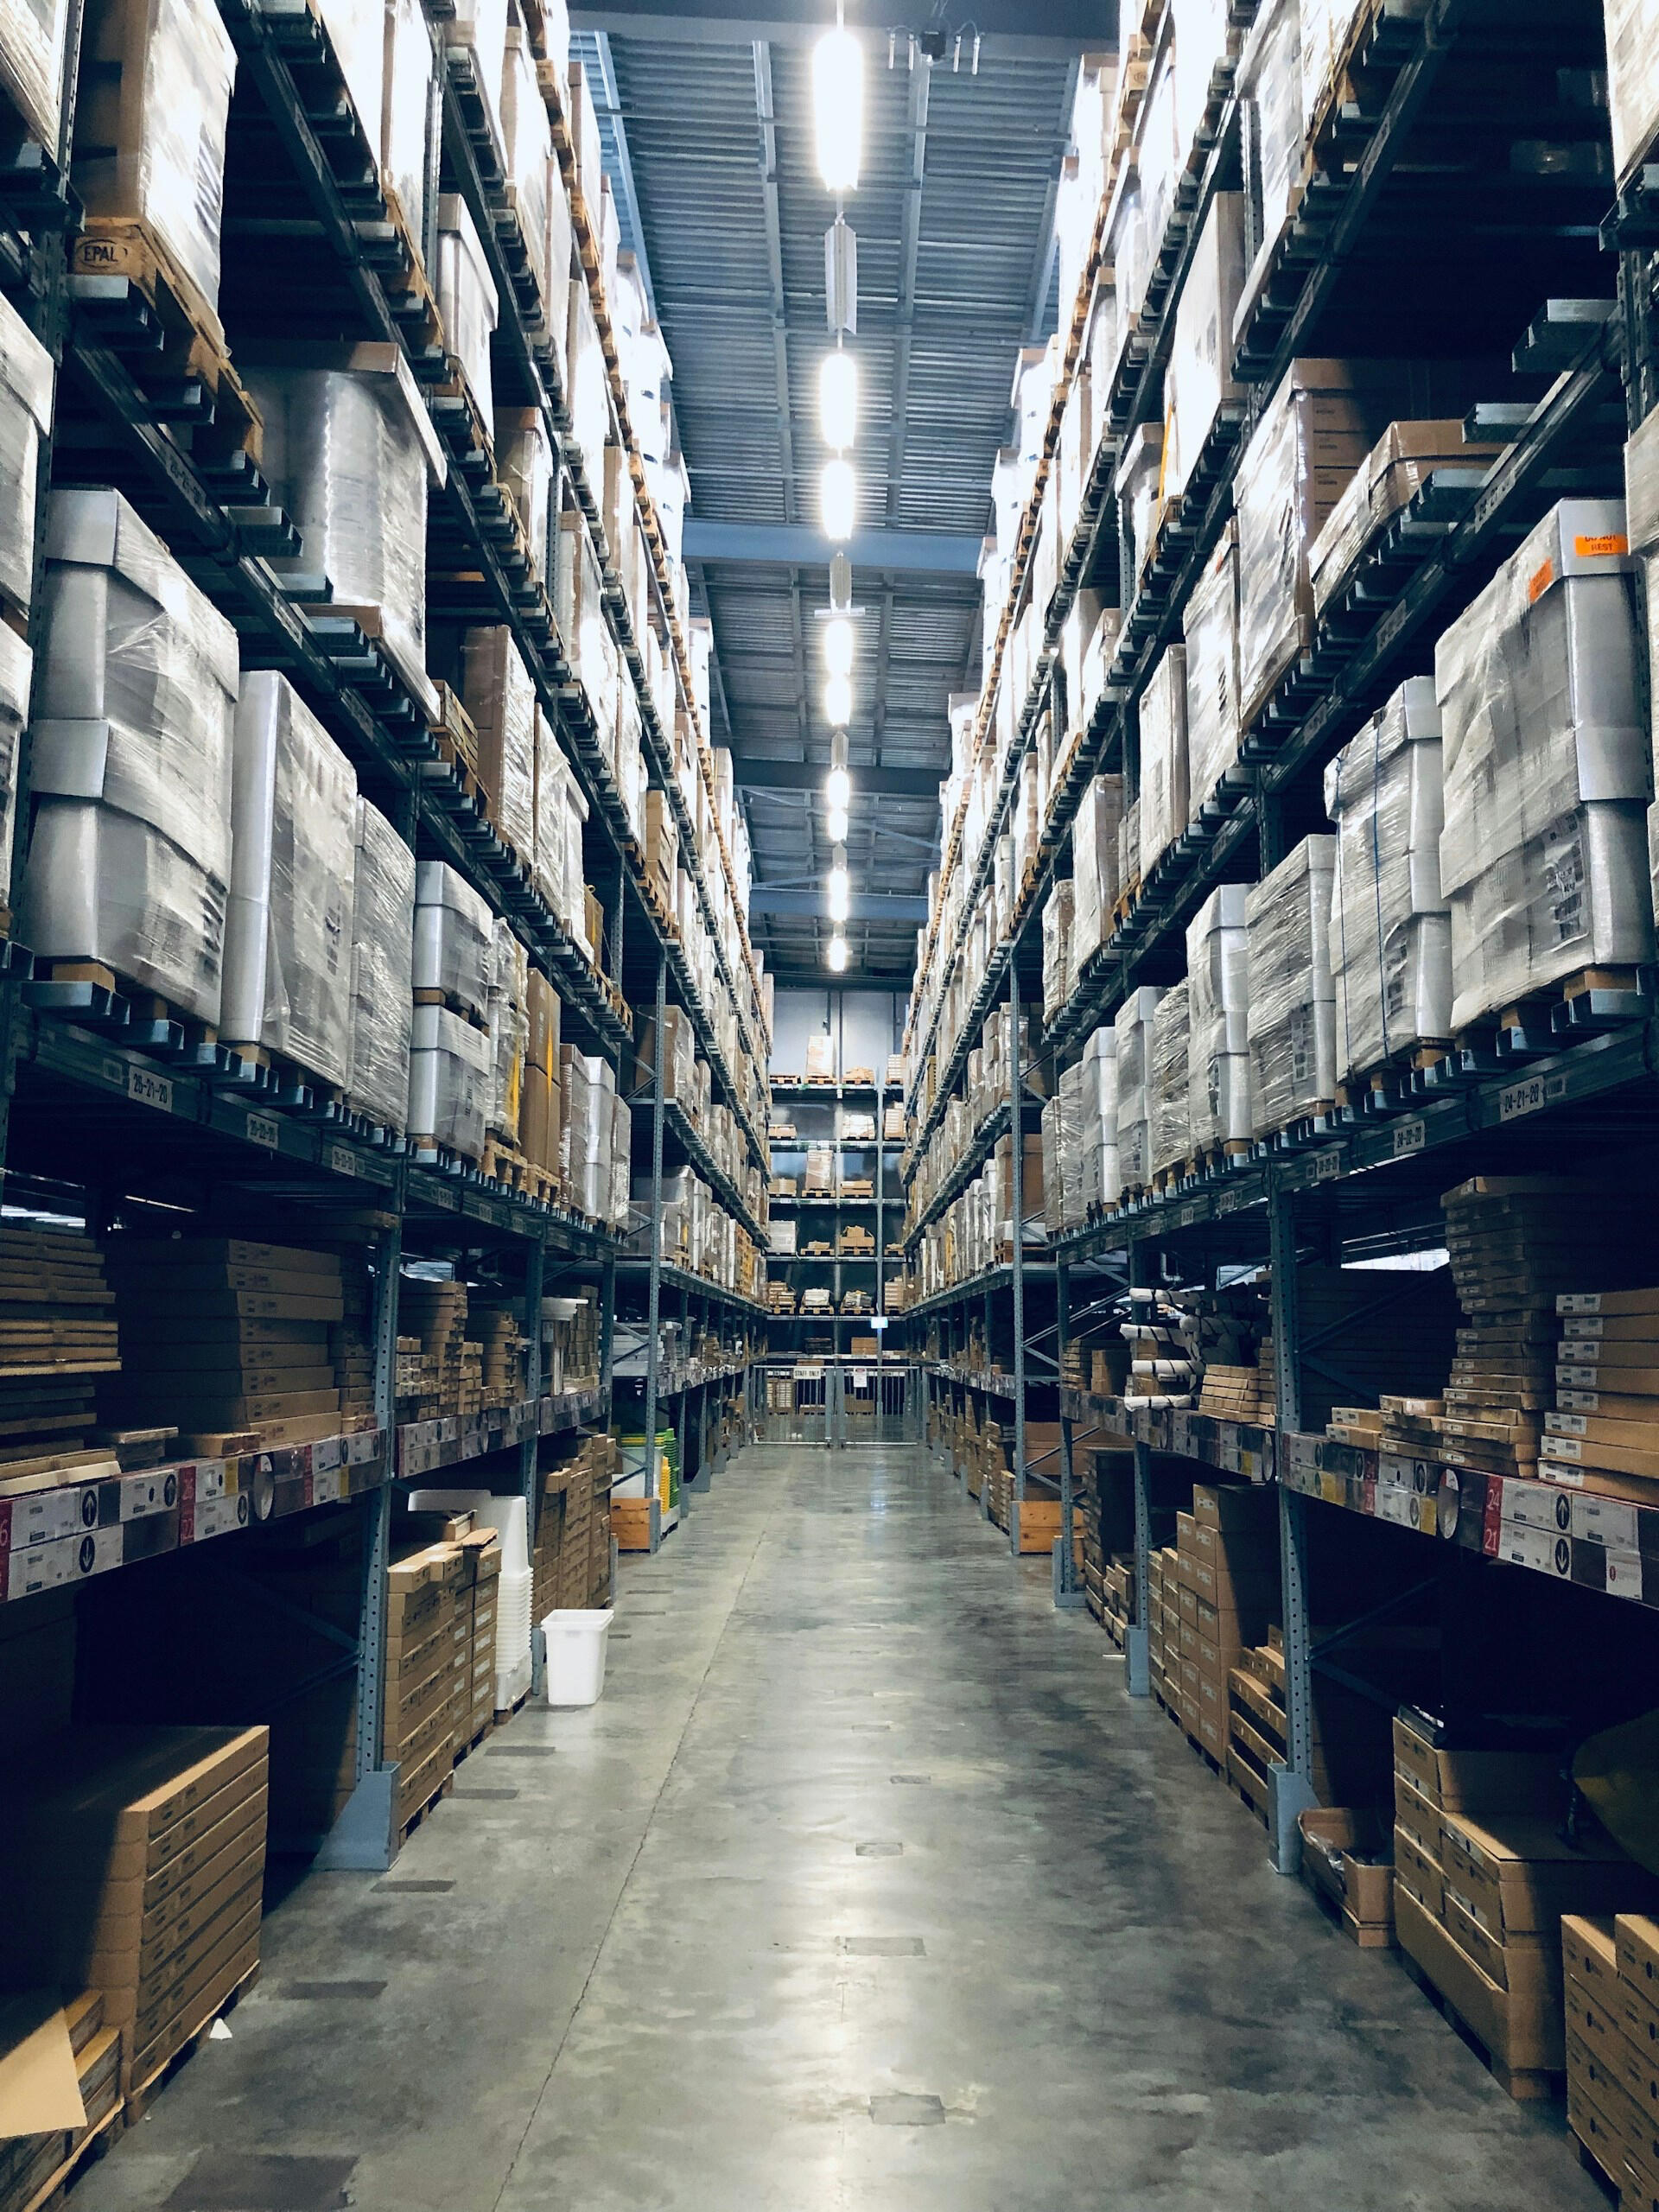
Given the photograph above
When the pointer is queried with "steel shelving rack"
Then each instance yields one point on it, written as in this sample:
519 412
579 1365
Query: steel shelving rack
1581 327
100 1109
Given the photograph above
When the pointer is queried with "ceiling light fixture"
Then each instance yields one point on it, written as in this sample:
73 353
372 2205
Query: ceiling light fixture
836 824
838 646
838 702
838 400
837 500
837 954
838 108
839 887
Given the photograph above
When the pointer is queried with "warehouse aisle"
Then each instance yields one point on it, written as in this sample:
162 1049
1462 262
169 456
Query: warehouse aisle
864 1887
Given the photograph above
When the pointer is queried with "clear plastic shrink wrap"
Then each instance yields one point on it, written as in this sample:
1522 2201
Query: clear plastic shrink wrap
448 1080
1166 1081
32 34
1162 798
1293 1011
1071 1095
349 450
154 100
405 94
1218 999
289 922
1390 928
1132 1026
1393 473
134 692
1096 881
25 417
509 1029
501 700
1101 1183
1632 82
1549 767
453 931
467 298
1200 361
1056 949
1212 640
1053 1196
1270 86
383 949
523 463
357 31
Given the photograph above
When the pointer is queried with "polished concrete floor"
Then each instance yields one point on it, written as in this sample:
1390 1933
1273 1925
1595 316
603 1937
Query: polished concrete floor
865 1889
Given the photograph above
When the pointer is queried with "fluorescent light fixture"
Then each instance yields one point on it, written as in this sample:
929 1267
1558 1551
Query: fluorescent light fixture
838 108
838 702
838 646
841 584
837 500
837 823
838 401
838 954
838 788
839 887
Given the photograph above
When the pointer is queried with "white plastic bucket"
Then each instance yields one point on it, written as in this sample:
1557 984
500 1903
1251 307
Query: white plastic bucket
575 1643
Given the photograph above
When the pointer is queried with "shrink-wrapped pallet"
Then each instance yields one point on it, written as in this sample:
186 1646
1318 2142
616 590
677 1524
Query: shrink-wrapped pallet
1270 90
1393 473
1166 1082
467 298
150 115
1095 858
26 376
1071 1095
453 933
1390 927
1199 380
1053 1196
501 699
1212 640
1293 1012
1549 767
1219 994
1162 798
350 451
1056 949
528 146
32 34
1101 1183
135 695
448 1080
1132 1027
523 467
406 99
382 928
288 921
509 1023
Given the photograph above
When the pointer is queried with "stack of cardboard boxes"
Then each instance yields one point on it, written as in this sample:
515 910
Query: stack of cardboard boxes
572 1560
1603 1433
435 1315
30 2163
441 1656
1485 1871
1227 1589
57 1335
141 1852
1611 1974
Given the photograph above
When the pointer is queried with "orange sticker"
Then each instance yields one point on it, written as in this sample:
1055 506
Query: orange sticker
1540 581
1613 545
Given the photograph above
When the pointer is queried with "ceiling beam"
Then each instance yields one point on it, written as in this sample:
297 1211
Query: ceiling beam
805 776
901 552
866 905
1005 26
910 244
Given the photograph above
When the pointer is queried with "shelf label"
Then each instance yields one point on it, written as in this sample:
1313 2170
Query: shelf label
341 1159
265 1129
1408 1136
1537 1091
1327 1165
151 1089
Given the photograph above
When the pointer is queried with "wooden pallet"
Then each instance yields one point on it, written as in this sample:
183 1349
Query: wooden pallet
192 350
406 1829
1526 2085
144 2093
1385 1077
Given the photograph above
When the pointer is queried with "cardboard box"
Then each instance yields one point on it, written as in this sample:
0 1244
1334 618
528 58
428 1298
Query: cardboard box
1590 1955
1524 2031
1518 1877
1419 1871
1457 1780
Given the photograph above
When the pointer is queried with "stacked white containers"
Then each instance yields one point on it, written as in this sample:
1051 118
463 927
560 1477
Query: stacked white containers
135 695
1293 1027
1390 928
1218 1051
449 1038
1549 767
508 1516
1132 1026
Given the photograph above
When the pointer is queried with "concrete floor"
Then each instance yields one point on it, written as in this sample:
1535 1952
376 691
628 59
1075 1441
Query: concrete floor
865 1886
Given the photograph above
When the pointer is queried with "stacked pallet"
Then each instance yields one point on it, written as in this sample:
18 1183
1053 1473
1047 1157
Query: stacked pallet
31 2165
1483 1873
57 1335
435 1313
1603 1429
1612 1977
142 1854
227 1338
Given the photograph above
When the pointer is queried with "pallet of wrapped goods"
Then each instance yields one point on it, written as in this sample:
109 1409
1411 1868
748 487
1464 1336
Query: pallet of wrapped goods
1218 1065
1548 777
286 995
501 700
1292 1022
227 1338
1390 931
383 911
143 1852
1167 1088
131 893
51 2044
1132 1029
1163 796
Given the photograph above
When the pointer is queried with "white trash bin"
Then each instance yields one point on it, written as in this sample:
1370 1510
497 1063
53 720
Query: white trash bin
575 1642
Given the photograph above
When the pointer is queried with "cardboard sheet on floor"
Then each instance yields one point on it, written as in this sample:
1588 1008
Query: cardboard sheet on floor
39 2086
